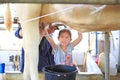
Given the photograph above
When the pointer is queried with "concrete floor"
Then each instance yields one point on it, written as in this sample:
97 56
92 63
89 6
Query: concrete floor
19 76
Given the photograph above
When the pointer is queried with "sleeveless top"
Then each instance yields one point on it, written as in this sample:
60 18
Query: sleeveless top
60 56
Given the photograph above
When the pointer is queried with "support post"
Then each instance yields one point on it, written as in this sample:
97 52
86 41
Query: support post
96 44
118 66
107 51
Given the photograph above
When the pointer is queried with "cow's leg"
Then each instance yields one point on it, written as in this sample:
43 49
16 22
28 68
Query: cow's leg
30 38
31 55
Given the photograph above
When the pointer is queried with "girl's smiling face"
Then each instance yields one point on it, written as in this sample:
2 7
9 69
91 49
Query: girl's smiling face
64 38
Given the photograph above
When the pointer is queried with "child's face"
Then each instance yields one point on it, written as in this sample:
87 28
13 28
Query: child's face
64 38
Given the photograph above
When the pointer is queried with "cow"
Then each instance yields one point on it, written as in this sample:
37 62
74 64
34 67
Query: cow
81 17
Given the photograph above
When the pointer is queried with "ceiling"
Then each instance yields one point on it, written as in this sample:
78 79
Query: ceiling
64 1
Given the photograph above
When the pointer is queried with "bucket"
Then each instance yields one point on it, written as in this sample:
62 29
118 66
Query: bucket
60 72
2 68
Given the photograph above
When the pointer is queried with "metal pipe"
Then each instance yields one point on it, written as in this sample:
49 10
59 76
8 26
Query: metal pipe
96 44
107 51
89 41
118 66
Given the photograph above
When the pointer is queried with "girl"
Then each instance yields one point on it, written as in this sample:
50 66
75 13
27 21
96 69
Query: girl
63 51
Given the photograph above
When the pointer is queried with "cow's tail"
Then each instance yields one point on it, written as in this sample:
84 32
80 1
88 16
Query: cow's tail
8 17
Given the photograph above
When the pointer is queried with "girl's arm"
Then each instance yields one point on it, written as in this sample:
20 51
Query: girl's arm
50 40
76 41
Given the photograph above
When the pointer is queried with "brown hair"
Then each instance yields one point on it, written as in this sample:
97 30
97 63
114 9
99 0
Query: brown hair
64 30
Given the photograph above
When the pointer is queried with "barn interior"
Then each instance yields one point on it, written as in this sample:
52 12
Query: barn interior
97 20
